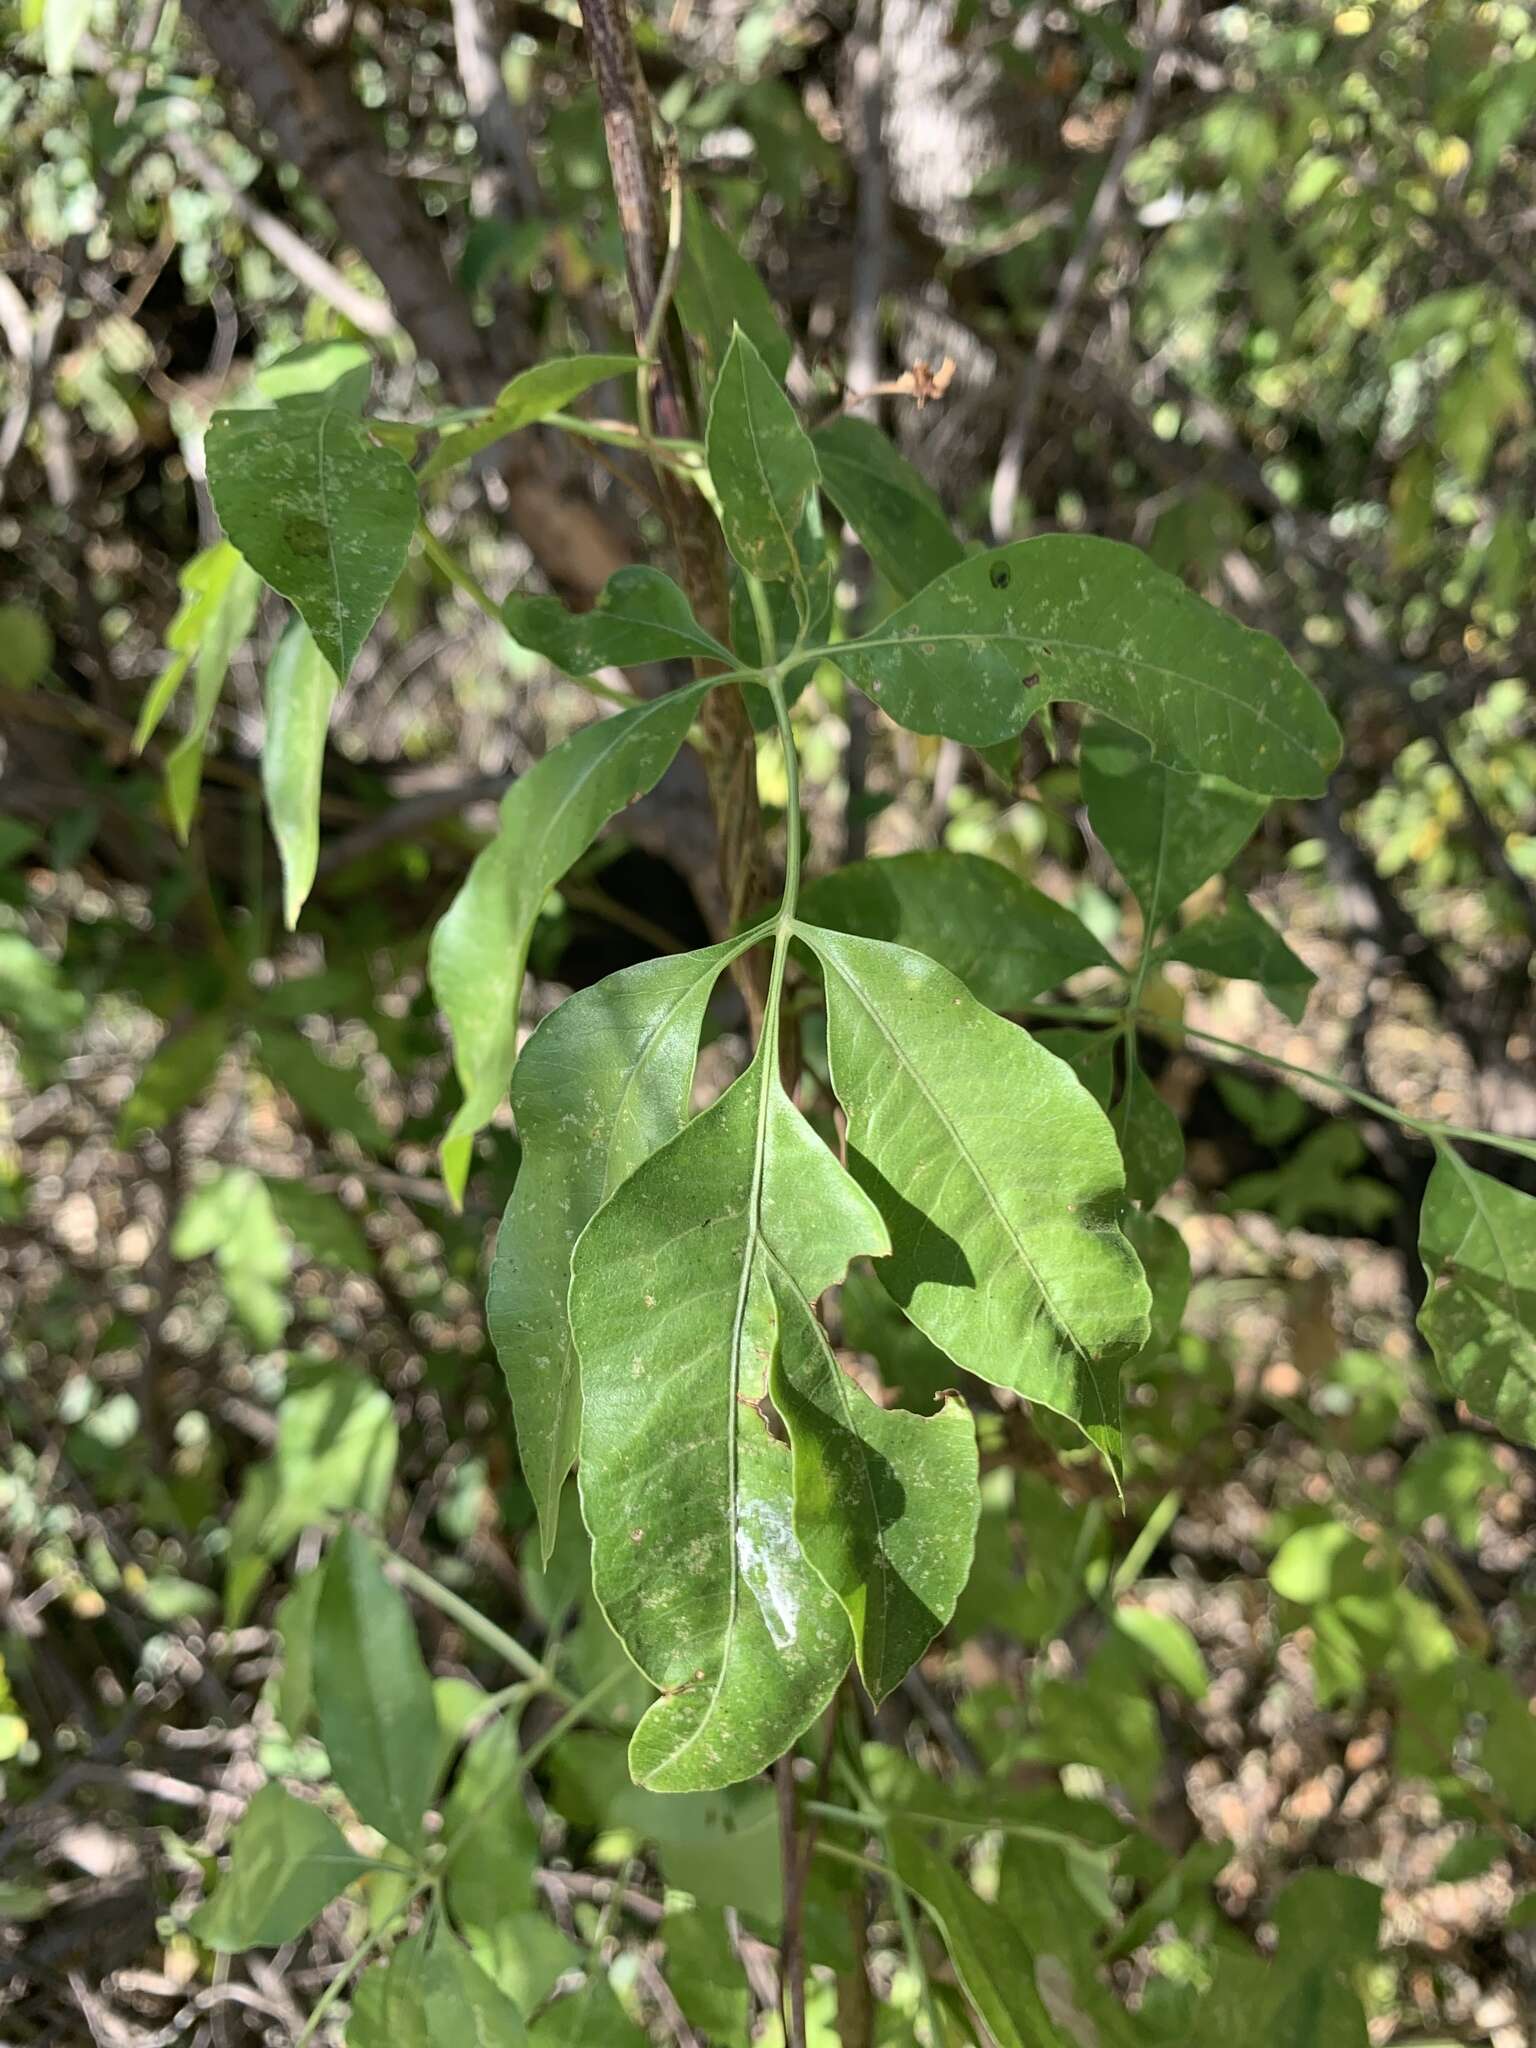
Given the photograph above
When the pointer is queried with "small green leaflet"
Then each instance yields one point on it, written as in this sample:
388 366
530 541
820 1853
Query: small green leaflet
719 291
1006 941
300 690
1165 830
432 1993
532 396
886 1502
889 506
602 1083
217 610
1246 947
640 615
1477 1238
549 817
491 1843
1092 621
287 1861
999 1178
1150 1136
373 1695
688 1498
761 462
318 509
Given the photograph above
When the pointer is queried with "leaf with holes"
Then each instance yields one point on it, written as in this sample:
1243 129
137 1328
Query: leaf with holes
1089 621
998 1177
318 509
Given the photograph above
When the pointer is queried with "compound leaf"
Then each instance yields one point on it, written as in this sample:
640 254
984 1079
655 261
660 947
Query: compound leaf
688 1498
318 509
1092 621
998 1176
602 1083
548 819
1477 1238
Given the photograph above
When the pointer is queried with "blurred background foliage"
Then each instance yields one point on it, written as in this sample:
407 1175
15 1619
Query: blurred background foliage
1251 287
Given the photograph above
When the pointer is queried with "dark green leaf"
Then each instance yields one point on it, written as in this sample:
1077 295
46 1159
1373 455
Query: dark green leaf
998 1177
885 501
549 817
287 1861
532 396
601 1084
1006 941
492 1844
432 1994
327 1095
640 615
300 689
1245 947
326 1230
318 509
718 291
1091 621
374 1697
1477 1238
1150 1136
178 1072
761 463
993 1965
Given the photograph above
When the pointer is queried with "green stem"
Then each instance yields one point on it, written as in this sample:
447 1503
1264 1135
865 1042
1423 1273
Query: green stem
1151 1534
474 1623
350 1968
902 1899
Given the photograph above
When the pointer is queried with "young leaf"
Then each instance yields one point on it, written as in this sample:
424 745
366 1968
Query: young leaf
761 462
886 1502
601 1084
532 396
318 509
1006 941
1477 1238
1165 830
694 1557
218 603
640 615
1092 621
301 688
998 1176
889 506
548 819
1245 947
287 1861
373 1695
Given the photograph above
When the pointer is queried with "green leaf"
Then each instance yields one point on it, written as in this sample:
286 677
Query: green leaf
26 647
1150 1136
432 1993
886 1502
374 1697
178 1071
994 1967
300 690
1319 1180
217 609
1166 831
1006 941
327 1095
1477 1238
532 396
295 1623
549 817
339 370
1167 1646
688 1498
761 463
491 1844
1448 1477
327 1231
640 615
231 1218
889 506
287 1861
718 290
64 23
602 1083
318 509
998 1176
1245 947
1092 621
706 1978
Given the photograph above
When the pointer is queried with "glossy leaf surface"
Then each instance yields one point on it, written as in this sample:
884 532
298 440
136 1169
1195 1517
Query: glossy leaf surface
885 1501
761 462
548 819
640 615
1006 941
300 690
694 1556
1073 617
318 509
601 1084
1477 1238
373 1695
998 1176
